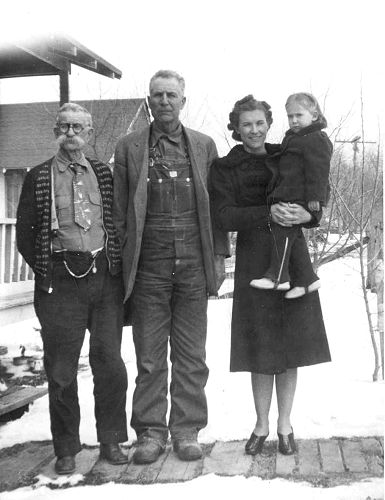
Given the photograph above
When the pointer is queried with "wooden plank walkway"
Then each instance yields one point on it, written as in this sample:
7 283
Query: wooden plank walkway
322 462
18 396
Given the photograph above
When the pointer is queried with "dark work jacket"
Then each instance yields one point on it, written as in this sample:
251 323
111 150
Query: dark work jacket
304 166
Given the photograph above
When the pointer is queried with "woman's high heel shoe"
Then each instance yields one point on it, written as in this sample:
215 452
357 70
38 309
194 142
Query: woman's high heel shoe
255 444
286 443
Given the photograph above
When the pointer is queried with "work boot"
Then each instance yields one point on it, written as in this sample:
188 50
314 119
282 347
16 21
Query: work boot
65 465
148 450
187 449
112 453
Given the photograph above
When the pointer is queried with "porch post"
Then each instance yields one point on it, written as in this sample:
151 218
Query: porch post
64 87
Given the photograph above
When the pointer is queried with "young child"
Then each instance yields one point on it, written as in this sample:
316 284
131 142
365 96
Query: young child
302 178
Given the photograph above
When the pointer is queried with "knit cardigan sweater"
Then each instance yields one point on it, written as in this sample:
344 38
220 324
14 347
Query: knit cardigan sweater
33 225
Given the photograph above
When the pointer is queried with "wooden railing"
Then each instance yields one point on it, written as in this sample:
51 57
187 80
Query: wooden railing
13 267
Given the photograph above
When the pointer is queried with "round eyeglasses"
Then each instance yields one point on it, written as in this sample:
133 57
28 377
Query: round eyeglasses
76 127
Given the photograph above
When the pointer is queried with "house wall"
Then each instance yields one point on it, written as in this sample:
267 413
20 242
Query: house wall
26 138
13 183
142 120
3 202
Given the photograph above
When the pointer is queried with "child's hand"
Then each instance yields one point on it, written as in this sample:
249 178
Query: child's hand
314 206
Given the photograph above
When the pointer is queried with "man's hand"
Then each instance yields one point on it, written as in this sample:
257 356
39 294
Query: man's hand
289 214
220 271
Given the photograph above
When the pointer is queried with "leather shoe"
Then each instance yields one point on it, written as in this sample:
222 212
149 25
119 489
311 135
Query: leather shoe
255 444
299 291
65 465
268 284
148 450
112 453
187 449
286 444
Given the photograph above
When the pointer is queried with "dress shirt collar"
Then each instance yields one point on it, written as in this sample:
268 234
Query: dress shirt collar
63 162
156 134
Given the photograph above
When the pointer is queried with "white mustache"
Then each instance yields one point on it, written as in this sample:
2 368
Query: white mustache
75 140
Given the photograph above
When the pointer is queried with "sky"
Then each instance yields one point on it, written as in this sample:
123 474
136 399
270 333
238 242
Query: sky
224 49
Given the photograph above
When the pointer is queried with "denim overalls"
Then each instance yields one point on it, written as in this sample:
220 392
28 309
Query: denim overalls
169 304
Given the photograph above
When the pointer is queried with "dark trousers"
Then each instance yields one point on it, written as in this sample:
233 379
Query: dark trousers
94 303
169 304
289 257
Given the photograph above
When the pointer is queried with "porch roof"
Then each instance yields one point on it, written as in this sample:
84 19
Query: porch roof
50 54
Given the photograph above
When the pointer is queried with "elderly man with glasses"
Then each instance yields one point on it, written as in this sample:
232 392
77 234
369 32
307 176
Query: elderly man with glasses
66 234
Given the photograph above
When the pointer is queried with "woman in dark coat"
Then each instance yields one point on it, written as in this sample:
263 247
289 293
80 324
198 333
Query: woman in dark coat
270 336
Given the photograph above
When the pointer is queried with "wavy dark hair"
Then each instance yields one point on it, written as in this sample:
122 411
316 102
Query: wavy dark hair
309 102
247 103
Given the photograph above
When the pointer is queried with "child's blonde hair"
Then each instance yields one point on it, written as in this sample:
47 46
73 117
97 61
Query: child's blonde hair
309 102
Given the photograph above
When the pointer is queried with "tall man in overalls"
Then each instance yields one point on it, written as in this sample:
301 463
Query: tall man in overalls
172 260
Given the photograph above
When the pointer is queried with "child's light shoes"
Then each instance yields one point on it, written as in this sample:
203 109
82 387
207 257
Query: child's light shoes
299 291
267 284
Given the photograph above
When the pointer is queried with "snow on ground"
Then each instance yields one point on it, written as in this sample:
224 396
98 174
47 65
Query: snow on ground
205 487
333 399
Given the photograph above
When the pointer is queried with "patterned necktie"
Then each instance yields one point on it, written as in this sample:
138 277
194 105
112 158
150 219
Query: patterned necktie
81 204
